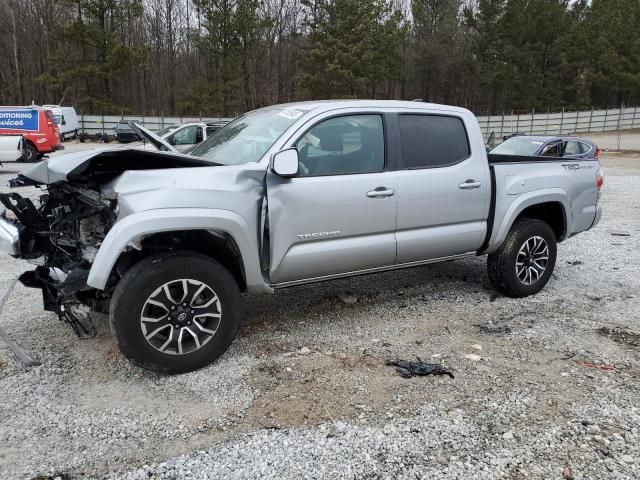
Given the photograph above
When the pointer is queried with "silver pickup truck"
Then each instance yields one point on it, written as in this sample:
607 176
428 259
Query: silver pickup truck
166 243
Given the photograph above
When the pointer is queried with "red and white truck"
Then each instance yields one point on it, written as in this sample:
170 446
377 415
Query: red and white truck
37 127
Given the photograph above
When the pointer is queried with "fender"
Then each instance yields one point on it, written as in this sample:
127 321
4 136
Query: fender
135 226
526 200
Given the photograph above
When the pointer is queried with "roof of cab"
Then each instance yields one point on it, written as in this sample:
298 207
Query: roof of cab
550 138
325 105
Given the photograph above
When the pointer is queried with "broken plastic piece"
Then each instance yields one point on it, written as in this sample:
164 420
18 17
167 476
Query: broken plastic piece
23 356
408 369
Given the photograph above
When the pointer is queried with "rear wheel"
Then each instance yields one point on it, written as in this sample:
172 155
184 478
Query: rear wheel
30 154
175 312
524 263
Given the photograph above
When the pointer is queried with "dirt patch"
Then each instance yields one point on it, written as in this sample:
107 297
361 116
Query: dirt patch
316 388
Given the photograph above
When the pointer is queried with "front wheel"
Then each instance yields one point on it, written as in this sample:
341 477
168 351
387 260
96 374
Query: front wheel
175 312
29 154
524 263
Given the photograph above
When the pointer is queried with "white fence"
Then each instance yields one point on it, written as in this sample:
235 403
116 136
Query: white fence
105 124
559 123
562 123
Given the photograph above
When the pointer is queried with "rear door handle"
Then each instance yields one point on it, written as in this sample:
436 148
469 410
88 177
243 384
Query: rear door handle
381 192
470 185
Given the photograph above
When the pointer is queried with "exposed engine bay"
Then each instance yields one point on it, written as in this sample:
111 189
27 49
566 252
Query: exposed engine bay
62 235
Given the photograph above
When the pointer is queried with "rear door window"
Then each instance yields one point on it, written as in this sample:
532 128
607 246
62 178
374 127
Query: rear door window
584 147
431 141
572 148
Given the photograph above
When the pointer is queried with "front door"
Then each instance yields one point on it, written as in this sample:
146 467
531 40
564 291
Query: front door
338 214
185 138
444 185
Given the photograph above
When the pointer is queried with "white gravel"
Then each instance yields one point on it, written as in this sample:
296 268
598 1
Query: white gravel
304 393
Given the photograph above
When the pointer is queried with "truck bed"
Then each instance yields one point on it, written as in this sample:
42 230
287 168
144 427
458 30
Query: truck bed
569 183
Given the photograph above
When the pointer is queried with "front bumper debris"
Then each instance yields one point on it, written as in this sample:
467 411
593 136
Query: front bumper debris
9 237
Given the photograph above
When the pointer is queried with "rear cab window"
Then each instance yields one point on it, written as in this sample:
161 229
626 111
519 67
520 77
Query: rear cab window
432 141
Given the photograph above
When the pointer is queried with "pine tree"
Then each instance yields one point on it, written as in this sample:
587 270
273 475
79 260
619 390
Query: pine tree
101 50
352 47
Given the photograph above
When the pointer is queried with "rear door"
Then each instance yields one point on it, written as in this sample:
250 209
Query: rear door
338 214
444 187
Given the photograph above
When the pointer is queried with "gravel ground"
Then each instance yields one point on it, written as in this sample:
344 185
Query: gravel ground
304 392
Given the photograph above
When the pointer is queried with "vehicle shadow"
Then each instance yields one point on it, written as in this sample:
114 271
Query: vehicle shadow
424 283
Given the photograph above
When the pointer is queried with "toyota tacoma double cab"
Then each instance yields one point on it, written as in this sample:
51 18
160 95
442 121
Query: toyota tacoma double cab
166 243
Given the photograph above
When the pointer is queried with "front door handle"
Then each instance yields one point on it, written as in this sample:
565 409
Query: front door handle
470 185
381 192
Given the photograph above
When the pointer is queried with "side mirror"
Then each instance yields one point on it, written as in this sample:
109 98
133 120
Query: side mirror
285 163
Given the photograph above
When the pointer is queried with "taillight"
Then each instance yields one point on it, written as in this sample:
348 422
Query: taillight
599 179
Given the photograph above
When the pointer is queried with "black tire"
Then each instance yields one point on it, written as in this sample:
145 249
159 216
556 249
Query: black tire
30 154
146 277
501 265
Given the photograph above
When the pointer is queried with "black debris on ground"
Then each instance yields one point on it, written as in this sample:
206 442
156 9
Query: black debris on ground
494 329
419 368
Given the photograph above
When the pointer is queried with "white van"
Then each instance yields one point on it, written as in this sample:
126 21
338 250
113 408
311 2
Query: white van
67 120
10 148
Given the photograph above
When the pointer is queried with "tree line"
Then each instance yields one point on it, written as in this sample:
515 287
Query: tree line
224 57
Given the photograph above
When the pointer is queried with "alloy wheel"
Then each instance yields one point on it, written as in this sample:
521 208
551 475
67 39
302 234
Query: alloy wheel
181 316
532 260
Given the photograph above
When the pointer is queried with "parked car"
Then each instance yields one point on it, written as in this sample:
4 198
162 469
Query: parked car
11 148
67 120
37 127
284 196
547 146
185 137
166 130
124 133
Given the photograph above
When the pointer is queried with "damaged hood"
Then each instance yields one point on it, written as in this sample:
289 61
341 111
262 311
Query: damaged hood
102 165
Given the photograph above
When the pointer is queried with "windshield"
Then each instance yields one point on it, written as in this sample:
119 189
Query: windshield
518 146
247 138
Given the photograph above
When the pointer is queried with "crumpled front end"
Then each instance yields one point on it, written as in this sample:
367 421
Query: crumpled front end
62 236
85 194
62 231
